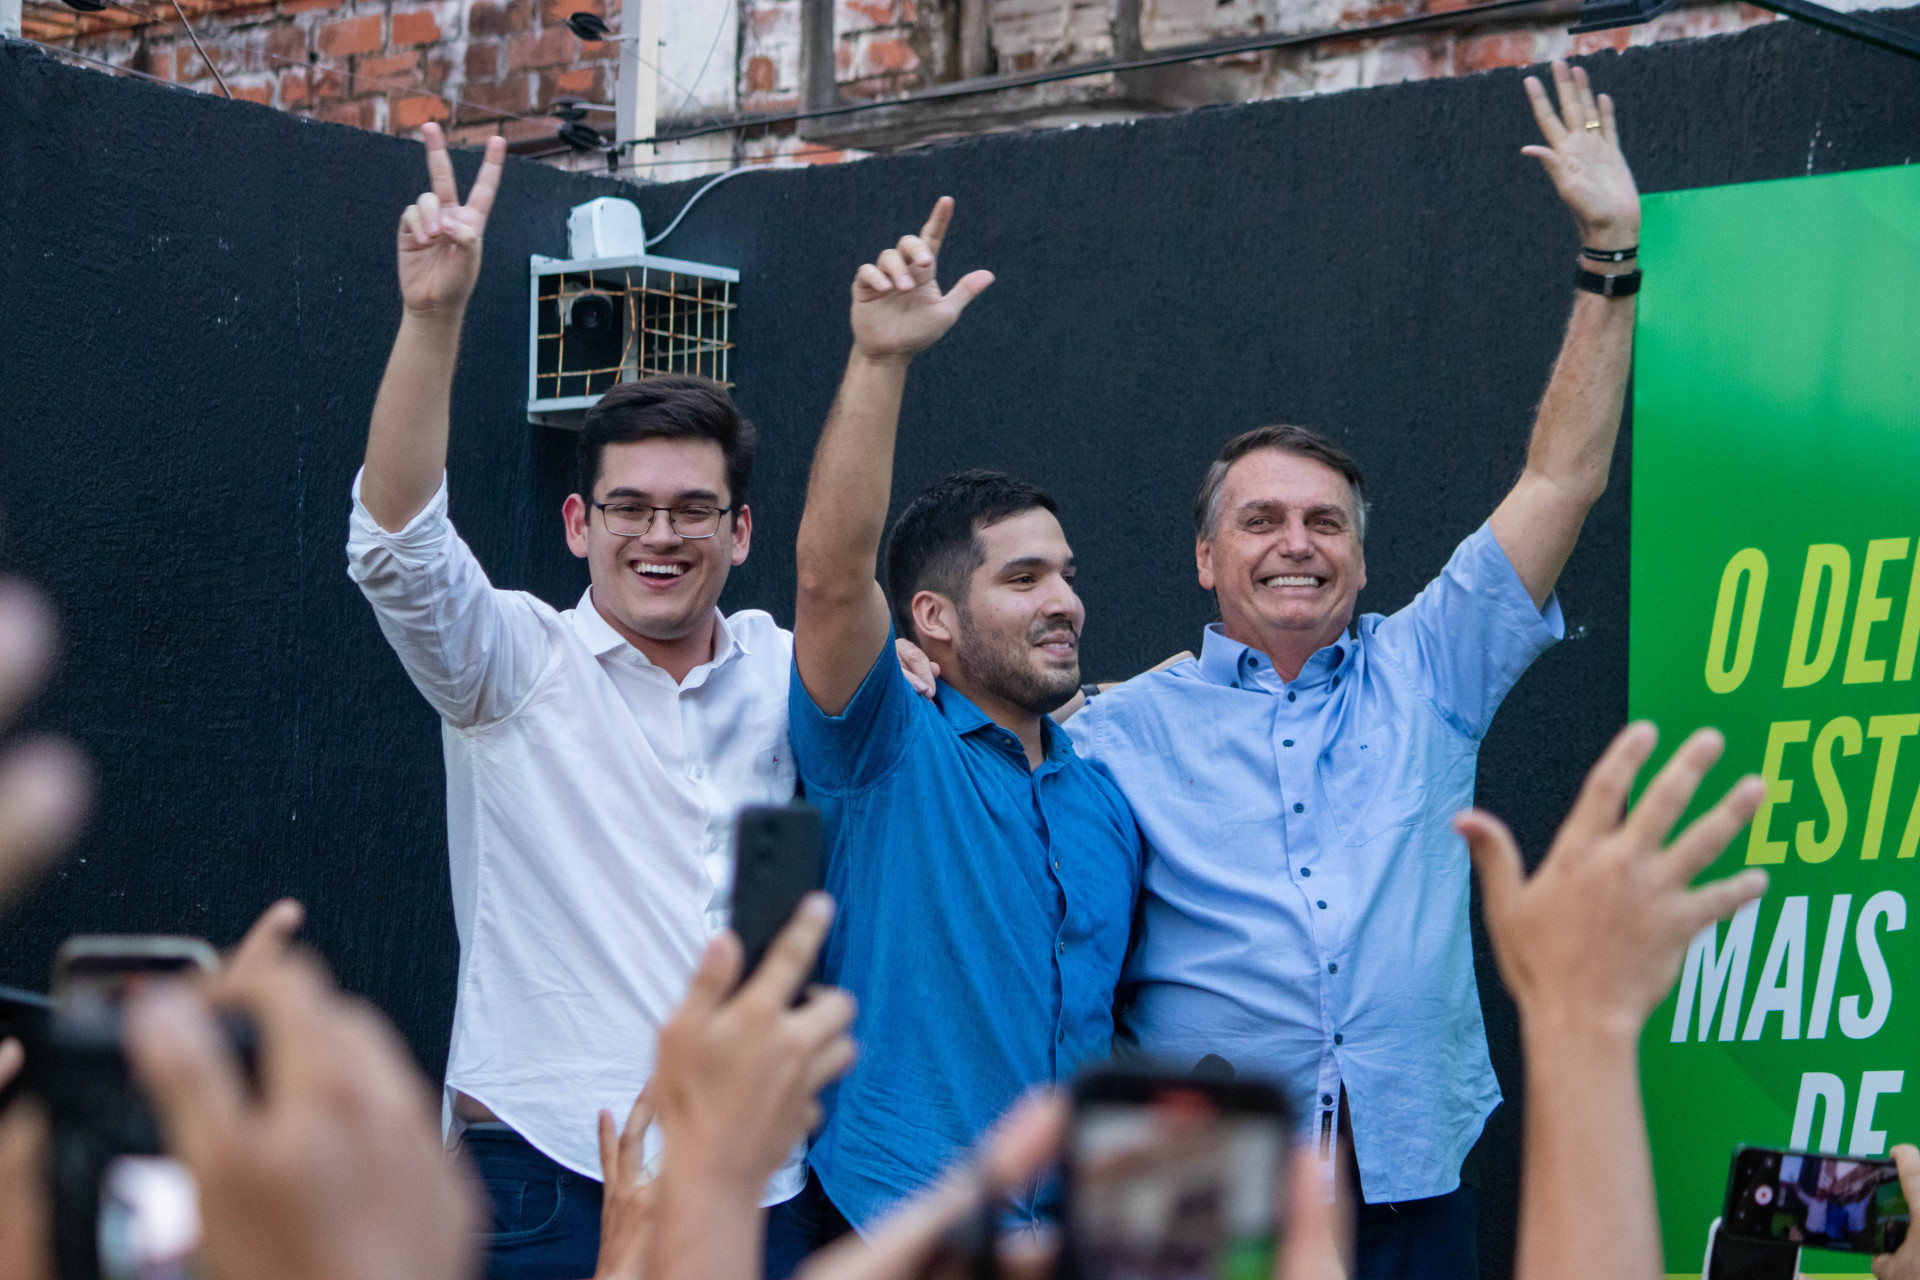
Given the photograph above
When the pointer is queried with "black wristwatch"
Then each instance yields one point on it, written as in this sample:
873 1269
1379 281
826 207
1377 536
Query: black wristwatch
1091 690
1619 286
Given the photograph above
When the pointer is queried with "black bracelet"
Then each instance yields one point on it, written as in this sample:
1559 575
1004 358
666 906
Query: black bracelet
1090 689
1620 286
1609 255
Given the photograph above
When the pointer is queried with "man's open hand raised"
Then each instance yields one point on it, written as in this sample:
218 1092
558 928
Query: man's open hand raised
1583 158
898 309
440 237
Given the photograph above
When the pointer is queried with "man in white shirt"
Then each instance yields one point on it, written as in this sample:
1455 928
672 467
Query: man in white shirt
595 756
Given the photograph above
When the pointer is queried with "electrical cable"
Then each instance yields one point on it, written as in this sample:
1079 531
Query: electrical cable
198 48
694 199
1172 57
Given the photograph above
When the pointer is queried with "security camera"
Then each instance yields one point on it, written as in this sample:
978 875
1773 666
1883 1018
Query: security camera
591 315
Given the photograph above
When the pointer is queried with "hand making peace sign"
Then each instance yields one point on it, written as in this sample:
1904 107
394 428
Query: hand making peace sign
1583 158
898 309
440 237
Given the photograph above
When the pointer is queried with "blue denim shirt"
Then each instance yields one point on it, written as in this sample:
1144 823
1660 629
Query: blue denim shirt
1304 914
985 911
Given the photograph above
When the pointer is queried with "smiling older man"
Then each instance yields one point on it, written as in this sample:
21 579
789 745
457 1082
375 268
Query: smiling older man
1304 909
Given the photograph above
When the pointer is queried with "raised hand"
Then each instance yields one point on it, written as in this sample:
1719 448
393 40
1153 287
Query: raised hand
1583 158
1596 935
440 237
898 309
631 1196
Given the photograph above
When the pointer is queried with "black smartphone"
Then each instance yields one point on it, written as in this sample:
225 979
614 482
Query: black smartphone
1175 1178
122 1209
1852 1204
776 863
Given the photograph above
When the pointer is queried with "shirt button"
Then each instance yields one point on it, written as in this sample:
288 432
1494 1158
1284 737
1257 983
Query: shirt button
1253 662
1306 871
1286 742
695 772
1056 864
1299 808
1326 1099
1322 904
1338 1038
1333 968
1063 948
1336 682
1290 695
1060 1037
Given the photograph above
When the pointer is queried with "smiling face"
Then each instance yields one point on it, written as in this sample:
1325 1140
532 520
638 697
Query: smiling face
1016 637
658 586
1285 559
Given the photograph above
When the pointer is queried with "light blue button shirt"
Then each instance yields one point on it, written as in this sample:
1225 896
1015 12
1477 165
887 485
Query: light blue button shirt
1304 910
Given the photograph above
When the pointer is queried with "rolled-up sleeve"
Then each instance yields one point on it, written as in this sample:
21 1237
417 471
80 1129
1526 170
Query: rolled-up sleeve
473 652
1472 633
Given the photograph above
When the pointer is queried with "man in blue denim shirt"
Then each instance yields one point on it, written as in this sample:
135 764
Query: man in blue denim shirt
985 874
1304 913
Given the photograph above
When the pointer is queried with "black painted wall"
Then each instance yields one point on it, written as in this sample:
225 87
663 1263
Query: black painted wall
198 296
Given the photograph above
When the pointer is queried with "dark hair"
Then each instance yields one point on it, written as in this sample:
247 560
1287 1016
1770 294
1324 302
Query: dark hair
1298 441
935 544
673 406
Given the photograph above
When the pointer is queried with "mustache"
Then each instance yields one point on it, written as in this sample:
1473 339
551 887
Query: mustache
1053 629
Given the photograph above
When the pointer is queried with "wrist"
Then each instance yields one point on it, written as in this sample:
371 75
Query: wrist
1558 1033
1610 235
443 317
888 361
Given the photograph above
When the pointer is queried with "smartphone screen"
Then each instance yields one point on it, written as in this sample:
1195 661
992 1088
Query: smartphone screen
1183 1182
1850 1204
149 1220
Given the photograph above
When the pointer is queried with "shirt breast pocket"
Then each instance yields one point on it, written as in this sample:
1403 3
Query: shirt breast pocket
1373 786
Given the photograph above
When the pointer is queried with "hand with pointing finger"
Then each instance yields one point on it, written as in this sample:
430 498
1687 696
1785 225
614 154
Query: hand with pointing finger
440 237
898 309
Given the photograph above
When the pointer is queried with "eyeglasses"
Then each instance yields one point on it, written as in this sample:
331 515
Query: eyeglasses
634 519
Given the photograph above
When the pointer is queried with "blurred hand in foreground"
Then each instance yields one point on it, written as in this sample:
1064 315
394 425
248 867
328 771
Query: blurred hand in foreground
630 1197
334 1169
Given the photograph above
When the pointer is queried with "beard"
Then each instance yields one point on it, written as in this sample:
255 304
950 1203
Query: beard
1002 665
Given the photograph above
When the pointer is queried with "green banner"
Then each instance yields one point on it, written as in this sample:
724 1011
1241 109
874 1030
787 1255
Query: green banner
1776 595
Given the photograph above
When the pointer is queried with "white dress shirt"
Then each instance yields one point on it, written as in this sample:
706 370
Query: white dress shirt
590 802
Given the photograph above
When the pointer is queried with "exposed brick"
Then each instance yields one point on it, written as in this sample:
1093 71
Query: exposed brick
761 74
553 47
439 70
355 35
399 66
515 93
491 18
857 15
889 54
1594 41
285 44
294 90
260 93
1484 53
411 113
585 82
483 60
291 7
553 13
361 115
416 27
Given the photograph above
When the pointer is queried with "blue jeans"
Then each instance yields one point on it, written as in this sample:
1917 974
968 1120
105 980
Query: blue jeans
546 1217
1433 1239
797 1227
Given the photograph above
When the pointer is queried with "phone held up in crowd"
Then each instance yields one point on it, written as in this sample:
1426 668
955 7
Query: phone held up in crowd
1175 1178
122 1209
777 862
1852 1204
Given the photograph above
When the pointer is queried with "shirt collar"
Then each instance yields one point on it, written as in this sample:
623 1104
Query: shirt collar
601 639
966 718
1225 661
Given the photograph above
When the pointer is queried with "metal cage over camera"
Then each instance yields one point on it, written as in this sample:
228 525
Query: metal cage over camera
597 321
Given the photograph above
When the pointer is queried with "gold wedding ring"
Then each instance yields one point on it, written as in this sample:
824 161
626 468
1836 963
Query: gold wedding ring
1593 124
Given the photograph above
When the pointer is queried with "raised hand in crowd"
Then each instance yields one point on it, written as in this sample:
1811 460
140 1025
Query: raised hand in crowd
918 1241
629 1195
333 1169
737 1084
439 251
1589 944
1904 1262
